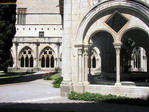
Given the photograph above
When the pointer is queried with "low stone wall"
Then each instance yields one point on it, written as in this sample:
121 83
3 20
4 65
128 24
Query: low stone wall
129 91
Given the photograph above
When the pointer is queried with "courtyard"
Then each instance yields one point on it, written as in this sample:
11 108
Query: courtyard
37 94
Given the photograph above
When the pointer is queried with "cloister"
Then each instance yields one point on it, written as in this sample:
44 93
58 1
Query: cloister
113 38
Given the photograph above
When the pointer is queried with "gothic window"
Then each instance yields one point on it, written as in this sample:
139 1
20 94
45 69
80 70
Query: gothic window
31 61
22 61
26 61
43 62
94 62
26 58
47 61
136 57
52 62
47 58
21 16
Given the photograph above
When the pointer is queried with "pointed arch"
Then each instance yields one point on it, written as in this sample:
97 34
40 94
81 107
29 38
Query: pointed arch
135 8
47 58
26 57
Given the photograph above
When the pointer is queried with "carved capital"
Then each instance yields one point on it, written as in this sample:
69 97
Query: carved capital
80 51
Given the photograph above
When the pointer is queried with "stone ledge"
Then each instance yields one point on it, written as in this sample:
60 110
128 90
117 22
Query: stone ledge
128 91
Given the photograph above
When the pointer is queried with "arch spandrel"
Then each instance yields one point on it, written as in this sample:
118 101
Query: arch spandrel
135 8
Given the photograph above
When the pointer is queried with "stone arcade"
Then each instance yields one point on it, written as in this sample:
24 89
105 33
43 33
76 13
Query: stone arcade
37 43
107 36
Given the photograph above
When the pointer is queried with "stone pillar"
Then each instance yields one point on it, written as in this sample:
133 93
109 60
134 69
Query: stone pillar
80 69
37 57
117 48
86 70
58 58
66 86
141 60
16 45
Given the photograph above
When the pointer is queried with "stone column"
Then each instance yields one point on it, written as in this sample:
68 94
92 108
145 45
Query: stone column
66 86
16 45
58 58
141 59
86 71
117 48
37 57
80 69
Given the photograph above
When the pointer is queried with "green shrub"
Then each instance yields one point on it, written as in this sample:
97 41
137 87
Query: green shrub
54 76
92 96
57 82
48 76
107 98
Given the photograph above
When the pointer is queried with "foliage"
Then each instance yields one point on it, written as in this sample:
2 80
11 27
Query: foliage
7 32
56 77
47 76
15 76
108 98
97 73
12 75
57 82
92 96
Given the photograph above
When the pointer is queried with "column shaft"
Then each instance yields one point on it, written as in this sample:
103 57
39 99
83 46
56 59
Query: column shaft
80 65
117 48
16 44
37 58
86 72
58 56
66 57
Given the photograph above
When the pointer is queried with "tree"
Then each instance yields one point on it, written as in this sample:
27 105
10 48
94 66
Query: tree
7 32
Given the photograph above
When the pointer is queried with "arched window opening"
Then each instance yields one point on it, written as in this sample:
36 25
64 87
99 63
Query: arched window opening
138 59
94 62
26 61
31 61
47 61
22 61
42 61
26 58
52 62
47 58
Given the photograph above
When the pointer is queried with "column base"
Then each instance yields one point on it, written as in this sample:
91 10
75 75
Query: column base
86 83
36 69
118 84
66 88
81 83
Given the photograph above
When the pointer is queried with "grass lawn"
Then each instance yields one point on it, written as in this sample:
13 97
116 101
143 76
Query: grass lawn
6 77
11 75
